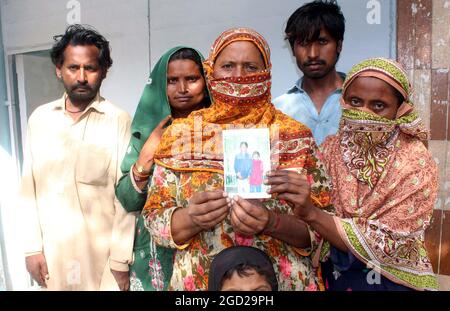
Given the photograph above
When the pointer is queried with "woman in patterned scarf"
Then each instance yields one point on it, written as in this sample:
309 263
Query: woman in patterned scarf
188 210
384 186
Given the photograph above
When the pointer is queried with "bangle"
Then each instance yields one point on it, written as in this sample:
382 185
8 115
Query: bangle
141 170
138 177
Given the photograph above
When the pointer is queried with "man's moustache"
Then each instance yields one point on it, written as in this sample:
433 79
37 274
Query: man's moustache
84 87
317 62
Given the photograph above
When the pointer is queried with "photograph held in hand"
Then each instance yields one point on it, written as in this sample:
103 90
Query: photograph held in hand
246 156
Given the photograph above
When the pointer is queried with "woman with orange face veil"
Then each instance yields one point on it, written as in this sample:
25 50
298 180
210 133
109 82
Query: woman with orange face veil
188 210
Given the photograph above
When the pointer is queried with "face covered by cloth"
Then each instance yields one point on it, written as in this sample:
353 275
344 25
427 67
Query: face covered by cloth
369 139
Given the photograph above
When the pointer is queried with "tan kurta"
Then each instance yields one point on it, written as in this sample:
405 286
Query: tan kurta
71 213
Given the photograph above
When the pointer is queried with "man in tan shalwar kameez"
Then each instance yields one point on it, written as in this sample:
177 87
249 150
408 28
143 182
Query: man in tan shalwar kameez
77 235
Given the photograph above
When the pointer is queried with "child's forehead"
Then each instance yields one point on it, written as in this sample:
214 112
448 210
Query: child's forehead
251 278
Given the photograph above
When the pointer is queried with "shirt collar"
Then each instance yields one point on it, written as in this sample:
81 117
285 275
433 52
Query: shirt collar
95 104
298 85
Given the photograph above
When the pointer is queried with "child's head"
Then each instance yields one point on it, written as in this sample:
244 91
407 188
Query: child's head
242 268
245 278
256 155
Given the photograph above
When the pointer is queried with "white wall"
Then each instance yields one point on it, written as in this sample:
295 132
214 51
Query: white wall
30 25
197 23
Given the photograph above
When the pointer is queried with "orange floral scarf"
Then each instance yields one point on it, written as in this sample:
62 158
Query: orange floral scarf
195 143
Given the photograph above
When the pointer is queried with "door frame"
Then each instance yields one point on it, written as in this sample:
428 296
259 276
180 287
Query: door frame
17 278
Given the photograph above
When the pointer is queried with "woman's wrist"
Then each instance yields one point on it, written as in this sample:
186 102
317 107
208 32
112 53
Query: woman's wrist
144 165
311 214
183 231
273 223
139 174
140 179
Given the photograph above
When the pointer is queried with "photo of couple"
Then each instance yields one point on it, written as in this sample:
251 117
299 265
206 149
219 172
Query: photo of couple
246 161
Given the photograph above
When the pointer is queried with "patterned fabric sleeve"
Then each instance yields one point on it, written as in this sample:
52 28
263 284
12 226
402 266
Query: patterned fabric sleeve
321 198
326 149
319 180
160 205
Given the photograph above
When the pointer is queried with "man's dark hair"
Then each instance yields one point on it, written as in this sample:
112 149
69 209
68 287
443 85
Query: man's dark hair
305 23
244 143
81 35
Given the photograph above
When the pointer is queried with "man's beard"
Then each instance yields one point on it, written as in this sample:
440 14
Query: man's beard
318 74
85 97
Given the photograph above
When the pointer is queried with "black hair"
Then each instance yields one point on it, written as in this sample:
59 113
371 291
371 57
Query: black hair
244 270
256 152
243 143
240 259
306 22
188 53
81 35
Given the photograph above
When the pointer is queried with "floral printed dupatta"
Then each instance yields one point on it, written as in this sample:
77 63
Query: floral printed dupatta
384 183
